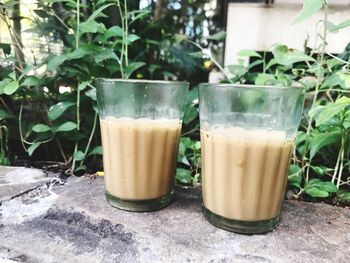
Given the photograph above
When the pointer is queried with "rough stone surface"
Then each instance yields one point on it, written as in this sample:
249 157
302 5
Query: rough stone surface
17 180
73 223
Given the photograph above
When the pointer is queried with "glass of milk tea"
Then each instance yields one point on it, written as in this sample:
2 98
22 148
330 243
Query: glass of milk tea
140 128
247 136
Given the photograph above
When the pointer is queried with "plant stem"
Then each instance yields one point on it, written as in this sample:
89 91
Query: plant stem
78 127
339 59
123 43
78 90
190 131
212 59
78 23
341 153
337 163
15 41
91 136
264 62
61 150
126 29
61 21
20 126
318 82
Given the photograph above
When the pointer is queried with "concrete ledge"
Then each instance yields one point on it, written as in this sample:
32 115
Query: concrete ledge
74 223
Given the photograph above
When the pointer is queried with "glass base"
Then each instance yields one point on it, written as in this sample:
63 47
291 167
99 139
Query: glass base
140 205
241 227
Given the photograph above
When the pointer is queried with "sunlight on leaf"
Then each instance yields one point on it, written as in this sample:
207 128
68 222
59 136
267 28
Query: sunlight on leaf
310 7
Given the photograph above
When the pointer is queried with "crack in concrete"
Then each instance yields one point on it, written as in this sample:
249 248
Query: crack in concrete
20 194
49 185
28 204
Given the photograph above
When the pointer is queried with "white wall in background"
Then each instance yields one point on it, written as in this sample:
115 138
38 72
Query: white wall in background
257 27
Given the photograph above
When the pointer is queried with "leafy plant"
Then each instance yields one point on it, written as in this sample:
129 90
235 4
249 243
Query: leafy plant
69 116
320 165
48 100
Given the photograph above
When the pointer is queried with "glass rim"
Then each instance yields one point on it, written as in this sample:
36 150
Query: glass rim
143 81
251 86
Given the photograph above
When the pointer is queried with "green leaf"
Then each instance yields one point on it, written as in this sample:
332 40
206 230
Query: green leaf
183 159
310 7
6 115
83 85
91 93
89 26
96 151
168 74
316 192
326 186
287 57
6 48
271 63
58 109
343 196
11 87
79 156
186 141
98 12
295 176
346 78
335 28
114 31
41 128
132 67
255 63
152 68
183 176
31 81
320 170
130 38
81 167
332 81
321 140
3 84
138 14
323 114
182 149
67 126
178 38
78 53
55 62
106 54
249 53
219 36
190 114
238 70
197 145
191 96
33 147
12 75
265 79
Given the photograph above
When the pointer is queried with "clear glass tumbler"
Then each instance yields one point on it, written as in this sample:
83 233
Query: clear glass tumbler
140 127
247 136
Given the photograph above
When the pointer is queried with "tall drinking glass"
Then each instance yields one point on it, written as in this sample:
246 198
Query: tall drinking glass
140 127
247 135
